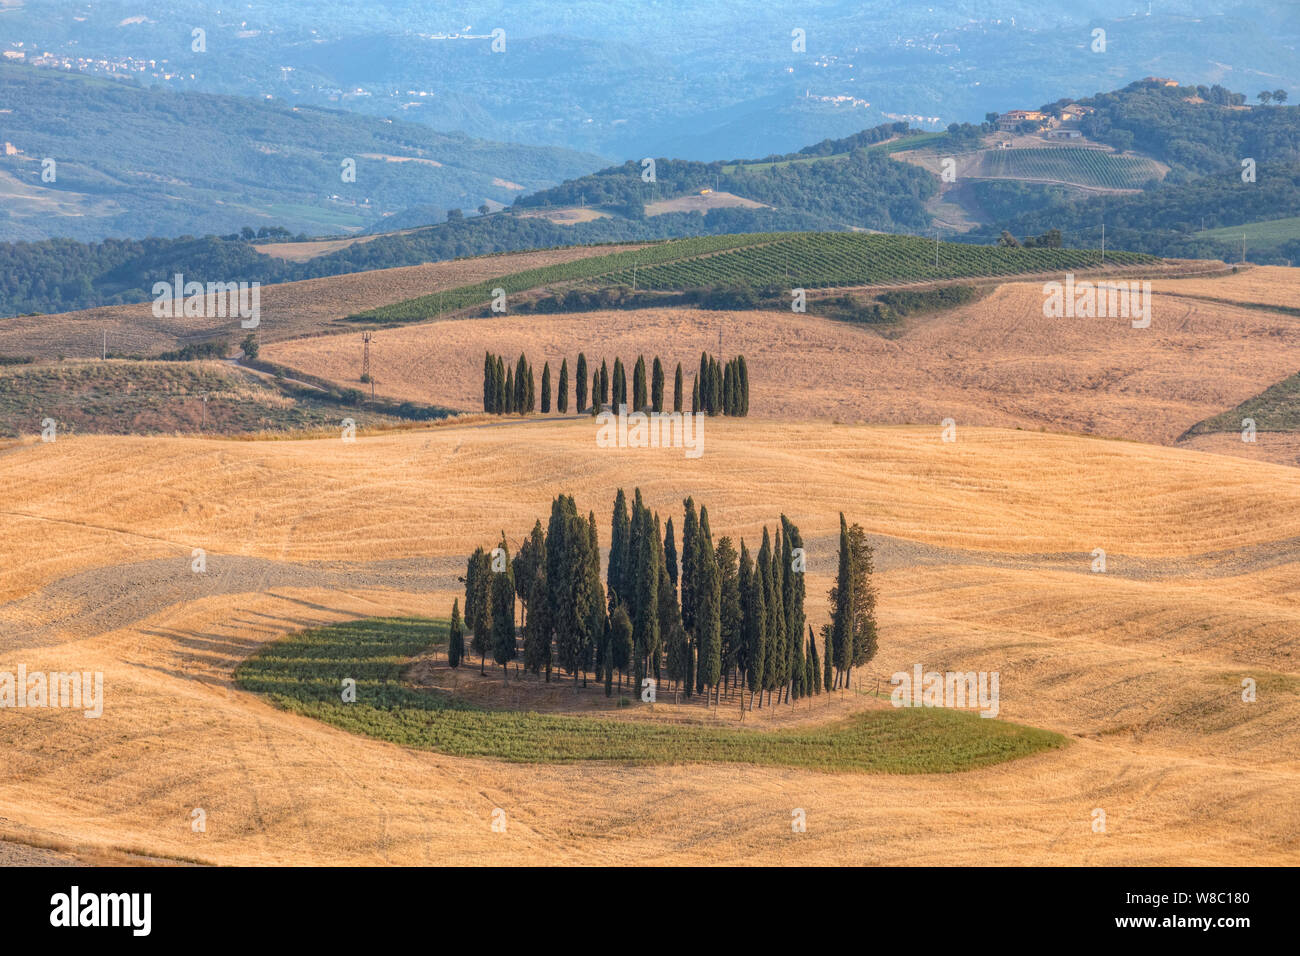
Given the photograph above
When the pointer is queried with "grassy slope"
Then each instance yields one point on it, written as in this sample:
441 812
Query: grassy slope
303 673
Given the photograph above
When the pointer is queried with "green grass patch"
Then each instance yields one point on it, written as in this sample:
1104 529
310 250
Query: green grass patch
303 673
1271 232
1276 409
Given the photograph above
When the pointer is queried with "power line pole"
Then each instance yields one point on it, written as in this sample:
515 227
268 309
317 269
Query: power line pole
365 365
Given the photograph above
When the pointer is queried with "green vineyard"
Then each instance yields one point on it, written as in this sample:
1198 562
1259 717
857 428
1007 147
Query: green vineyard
1086 167
809 260
833 259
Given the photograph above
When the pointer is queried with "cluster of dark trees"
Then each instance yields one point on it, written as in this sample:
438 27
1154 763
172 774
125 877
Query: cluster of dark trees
718 389
713 621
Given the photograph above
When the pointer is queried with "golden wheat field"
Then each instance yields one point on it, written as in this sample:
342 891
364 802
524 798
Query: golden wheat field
997 362
984 554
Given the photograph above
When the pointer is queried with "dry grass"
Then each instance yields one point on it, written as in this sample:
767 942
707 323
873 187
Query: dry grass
289 310
997 362
1141 665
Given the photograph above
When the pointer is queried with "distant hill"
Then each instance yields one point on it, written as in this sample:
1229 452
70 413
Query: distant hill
134 162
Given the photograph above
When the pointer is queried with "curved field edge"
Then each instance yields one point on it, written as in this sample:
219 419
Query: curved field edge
303 673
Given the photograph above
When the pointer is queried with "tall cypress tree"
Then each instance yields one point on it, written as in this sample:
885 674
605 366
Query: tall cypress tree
620 384
595 390
690 537
672 634
670 554
814 663
639 396
530 396
537 628
619 535
489 383
792 595
729 608
864 598
657 386
580 380
562 392
621 645
503 613
708 618
521 384
702 379
604 385
716 375
508 400
754 625
728 391
478 604
695 397
594 593
744 384
677 388
455 637
841 601
546 388
646 587
502 402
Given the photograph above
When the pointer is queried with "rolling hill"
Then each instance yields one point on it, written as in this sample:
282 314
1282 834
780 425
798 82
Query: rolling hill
167 161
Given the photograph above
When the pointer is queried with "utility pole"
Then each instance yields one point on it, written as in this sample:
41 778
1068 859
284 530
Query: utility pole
365 365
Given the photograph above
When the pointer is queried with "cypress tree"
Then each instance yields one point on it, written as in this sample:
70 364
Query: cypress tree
503 614
478 604
502 405
594 593
792 595
530 399
690 536
695 396
620 531
828 677
562 392
728 391
708 618
864 598
729 606
677 388
672 634
595 391
620 636
657 386
546 388
716 378
580 380
489 383
455 637
521 384
639 396
537 628
814 663
754 624
620 384
508 400
645 626
670 554
744 384
841 601
702 379
604 385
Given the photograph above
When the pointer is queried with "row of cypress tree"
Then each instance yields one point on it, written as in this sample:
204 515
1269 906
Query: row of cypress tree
709 619
718 389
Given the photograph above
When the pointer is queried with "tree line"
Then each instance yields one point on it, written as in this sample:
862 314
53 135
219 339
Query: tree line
511 389
712 620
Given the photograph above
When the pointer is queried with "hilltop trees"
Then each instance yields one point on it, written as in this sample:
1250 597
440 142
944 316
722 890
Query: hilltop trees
712 620
718 389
